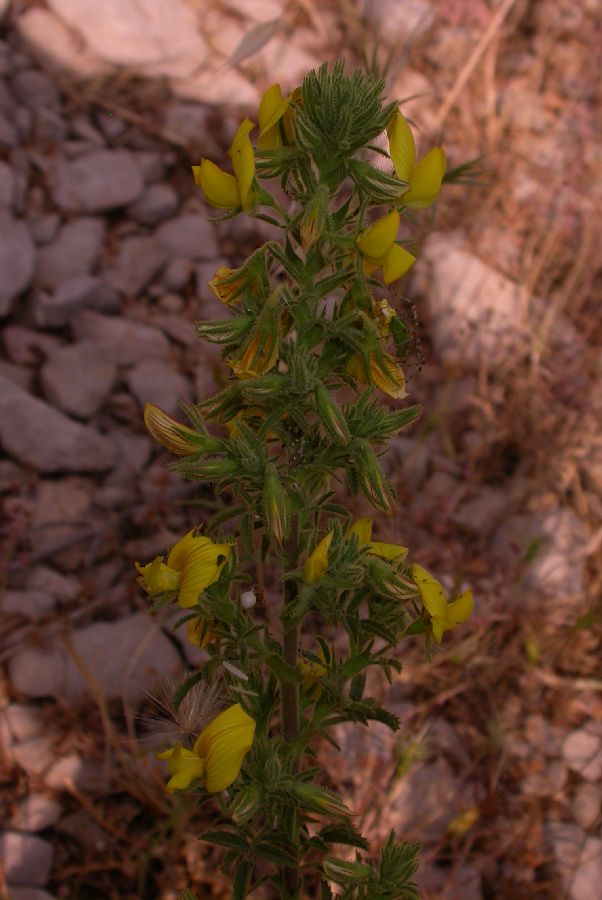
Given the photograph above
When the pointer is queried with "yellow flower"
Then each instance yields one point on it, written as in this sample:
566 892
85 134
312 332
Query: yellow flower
424 179
377 245
444 615
390 380
226 284
222 189
317 563
178 438
248 413
193 564
271 109
217 754
194 632
384 313
362 528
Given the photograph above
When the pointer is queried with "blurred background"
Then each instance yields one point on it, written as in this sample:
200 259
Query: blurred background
105 254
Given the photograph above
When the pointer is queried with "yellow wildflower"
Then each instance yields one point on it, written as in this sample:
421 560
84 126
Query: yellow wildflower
444 615
377 245
217 753
424 179
312 672
391 379
222 189
317 563
193 564
271 109
226 284
362 528
194 632
178 438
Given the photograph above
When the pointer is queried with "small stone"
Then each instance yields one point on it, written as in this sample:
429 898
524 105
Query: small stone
26 347
44 228
57 43
111 125
7 187
85 774
28 893
35 755
190 235
187 120
78 379
547 781
72 252
8 132
138 261
582 751
176 276
82 127
156 382
80 292
63 588
98 181
23 721
587 805
27 858
17 259
121 340
126 656
158 201
35 433
588 876
48 127
86 831
36 812
483 513
32 605
19 376
35 89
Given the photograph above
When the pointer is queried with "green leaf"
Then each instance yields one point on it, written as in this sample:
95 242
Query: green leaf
241 881
222 517
279 855
343 833
344 872
282 669
188 683
225 839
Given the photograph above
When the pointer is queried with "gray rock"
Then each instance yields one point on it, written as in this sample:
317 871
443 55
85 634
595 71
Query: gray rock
459 881
110 124
582 751
127 657
27 859
60 509
35 433
73 251
7 187
19 376
408 455
104 179
123 341
48 126
190 235
78 379
59 44
138 261
63 588
36 812
28 893
578 859
587 805
588 877
175 276
425 800
44 228
26 347
35 755
32 604
23 721
8 132
158 201
80 292
187 121
17 259
35 89
483 513
156 382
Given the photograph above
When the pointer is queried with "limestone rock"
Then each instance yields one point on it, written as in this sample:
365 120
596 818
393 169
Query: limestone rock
72 252
97 181
78 379
36 434
190 235
123 341
80 292
17 258
27 858
156 382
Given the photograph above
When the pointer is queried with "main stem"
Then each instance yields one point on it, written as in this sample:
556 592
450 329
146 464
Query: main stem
290 701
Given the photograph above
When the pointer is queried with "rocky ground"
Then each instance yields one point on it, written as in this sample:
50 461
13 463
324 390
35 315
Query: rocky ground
105 254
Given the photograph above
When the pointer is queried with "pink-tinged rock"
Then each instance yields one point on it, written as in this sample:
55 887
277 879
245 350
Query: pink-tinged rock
33 604
138 261
156 202
582 751
156 382
104 179
72 252
28 893
36 812
190 235
63 588
17 258
57 44
123 341
35 755
27 858
35 433
78 379
7 187
127 657
80 292
84 774
26 347
60 510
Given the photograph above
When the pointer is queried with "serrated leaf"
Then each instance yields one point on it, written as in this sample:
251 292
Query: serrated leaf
240 881
253 41
275 854
282 668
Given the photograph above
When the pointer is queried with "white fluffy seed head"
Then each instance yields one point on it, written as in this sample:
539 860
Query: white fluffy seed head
248 599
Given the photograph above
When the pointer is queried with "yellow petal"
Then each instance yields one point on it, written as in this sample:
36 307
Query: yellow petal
391 552
243 161
225 285
460 610
169 433
396 263
401 147
362 528
426 179
317 563
377 239
431 592
179 551
219 187
157 576
437 627
196 632
201 568
388 378
271 109
223 744
188 771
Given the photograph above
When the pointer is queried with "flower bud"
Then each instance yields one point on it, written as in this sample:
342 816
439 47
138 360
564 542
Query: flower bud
276 509
263 390
225 331
246 803
178 438
212 469
372 481
330 415
248 599
227 284
261 351
317 563
313 797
